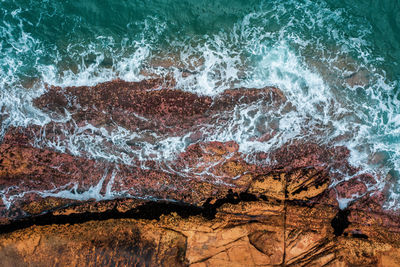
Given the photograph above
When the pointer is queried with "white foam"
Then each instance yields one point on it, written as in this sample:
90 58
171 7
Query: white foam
263 49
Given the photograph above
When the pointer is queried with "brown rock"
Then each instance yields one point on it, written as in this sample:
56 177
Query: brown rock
107 243
247 233
209 206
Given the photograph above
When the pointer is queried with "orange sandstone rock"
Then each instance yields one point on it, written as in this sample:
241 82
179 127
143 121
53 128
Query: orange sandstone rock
208 207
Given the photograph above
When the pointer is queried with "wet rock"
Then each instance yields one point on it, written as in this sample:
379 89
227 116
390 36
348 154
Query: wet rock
358 78
203 171
33 174
351 189
208 205
150 105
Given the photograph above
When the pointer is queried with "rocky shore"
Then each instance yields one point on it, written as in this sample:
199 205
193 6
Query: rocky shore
223 210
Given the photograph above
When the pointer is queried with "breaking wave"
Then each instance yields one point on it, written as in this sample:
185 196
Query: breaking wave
339 90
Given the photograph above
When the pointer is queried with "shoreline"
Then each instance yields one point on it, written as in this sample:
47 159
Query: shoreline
286 200
289 232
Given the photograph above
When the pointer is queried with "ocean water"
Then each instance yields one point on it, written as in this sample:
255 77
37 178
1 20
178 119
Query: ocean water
337 63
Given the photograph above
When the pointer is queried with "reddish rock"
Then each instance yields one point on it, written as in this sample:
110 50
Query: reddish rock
38 171
300 154
150 104
212 170
211 205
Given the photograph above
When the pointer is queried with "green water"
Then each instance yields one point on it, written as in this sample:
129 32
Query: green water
336 61
54 25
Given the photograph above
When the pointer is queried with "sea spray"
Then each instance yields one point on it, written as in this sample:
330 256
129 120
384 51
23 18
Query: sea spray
341 88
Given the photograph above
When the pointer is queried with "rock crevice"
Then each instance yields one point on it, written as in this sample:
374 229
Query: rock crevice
209 205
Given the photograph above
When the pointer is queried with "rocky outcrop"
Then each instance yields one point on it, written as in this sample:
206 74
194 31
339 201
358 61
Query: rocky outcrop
209 205
267 228
41 180
149 105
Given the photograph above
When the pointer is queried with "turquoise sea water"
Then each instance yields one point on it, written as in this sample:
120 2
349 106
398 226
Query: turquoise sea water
337 62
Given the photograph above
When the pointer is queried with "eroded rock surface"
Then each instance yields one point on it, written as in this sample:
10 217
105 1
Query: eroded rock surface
252 231
210 204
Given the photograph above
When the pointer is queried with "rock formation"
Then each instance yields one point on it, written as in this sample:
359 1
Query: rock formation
210 205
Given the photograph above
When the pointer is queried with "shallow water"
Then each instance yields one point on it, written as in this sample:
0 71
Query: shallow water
337 63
